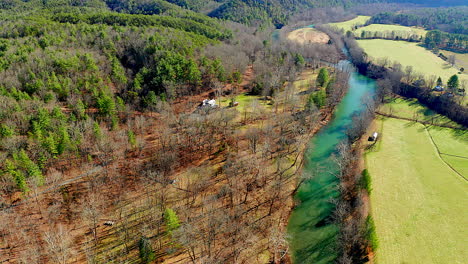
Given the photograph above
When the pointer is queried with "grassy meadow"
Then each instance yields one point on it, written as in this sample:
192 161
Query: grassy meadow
399 30
450 142
453 146
350 24
410 54
418 202
412 109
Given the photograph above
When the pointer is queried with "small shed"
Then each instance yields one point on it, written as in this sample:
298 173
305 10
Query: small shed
211 103
438 88
374 136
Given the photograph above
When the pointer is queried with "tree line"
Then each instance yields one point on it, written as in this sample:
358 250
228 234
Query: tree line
436 39
451 20
402 82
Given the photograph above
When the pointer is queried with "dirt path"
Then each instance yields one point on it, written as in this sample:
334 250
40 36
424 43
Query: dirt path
440 154
426 124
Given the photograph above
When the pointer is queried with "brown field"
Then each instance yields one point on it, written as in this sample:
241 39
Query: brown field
308 35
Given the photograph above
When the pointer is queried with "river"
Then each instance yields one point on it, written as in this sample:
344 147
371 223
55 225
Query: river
312 236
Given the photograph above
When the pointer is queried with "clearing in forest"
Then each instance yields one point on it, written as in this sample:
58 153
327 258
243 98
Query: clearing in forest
350 25
308 35
410 54
418 201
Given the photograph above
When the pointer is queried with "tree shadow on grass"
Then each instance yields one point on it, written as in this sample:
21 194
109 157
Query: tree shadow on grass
410 124
460 134
322 252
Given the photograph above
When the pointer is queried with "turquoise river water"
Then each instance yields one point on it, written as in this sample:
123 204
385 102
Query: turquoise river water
312 236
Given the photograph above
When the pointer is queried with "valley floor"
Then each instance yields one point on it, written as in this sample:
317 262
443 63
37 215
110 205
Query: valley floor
418 202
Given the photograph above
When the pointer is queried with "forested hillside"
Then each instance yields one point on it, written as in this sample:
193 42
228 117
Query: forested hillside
109 151
105 156
279 11
451 20
56 66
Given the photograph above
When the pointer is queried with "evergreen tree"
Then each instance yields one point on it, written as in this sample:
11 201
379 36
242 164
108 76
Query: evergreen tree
323 77
17 175
146 250
6 131
31 168
319 98
50 145
453 83
299 60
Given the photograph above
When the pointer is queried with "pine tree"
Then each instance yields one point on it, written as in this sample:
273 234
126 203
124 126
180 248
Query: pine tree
64 141
6 131
31 168
49 143
17 175
146 251
453 83
323 77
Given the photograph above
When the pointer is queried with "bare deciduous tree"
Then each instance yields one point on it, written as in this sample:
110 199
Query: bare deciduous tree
58 244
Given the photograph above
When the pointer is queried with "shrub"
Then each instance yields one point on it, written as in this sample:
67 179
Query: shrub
131 138
366 181
6 131
371 235
319 98
171 220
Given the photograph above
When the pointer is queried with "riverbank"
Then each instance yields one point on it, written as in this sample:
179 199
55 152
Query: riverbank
313 231
392 81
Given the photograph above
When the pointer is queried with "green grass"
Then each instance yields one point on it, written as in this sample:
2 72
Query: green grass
411 108
418 202
245 102
410 54
401 31
450 141
349 25
459 164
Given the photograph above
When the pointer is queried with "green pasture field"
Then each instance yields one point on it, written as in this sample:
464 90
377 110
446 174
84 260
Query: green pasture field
349 25
401 31
418 201
410 54
412 109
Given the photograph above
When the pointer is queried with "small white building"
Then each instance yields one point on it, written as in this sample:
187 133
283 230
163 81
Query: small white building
374 136
438 88
211 103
